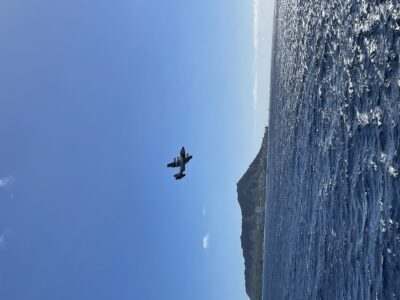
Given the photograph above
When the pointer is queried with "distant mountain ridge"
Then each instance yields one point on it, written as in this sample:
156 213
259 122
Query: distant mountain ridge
251 190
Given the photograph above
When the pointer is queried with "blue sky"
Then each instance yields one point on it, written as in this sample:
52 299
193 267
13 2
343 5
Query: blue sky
96 98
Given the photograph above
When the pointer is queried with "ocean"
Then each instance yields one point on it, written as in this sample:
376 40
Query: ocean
333 185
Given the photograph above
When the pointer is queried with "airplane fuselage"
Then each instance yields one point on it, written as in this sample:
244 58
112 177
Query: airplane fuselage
180 162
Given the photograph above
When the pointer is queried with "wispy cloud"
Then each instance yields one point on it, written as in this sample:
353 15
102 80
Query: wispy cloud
255 90
4 234
256 37
5 181
256 18
204 211
205 241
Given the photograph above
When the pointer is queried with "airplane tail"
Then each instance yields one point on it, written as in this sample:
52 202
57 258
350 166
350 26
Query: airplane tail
179 176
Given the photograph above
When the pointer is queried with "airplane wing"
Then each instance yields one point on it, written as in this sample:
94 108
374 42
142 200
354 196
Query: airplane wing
174 164
187 158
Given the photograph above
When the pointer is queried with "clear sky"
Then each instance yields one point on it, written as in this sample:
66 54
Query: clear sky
96 98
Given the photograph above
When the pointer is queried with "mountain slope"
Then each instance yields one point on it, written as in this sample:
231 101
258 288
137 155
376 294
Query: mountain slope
251 190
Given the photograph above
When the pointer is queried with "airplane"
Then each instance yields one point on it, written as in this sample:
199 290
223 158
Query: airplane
180 161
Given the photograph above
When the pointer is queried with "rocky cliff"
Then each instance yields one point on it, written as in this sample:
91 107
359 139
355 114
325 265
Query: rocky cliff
251 190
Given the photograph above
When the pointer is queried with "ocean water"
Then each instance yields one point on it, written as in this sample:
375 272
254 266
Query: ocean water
332 226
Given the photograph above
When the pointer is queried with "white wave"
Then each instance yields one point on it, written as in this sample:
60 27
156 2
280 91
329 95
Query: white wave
393 172
362 119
